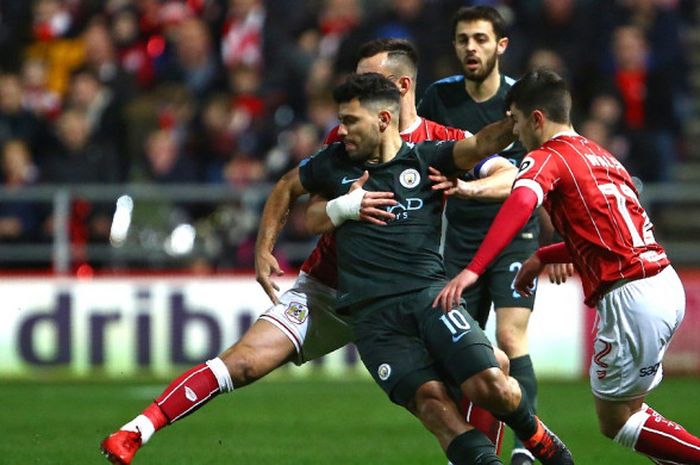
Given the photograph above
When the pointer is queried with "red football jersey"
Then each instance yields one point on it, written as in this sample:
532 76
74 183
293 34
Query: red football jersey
321 262
594 206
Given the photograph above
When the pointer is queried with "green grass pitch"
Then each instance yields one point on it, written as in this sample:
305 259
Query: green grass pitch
284 421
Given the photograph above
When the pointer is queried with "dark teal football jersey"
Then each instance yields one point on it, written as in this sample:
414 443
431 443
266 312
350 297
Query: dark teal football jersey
447 102
377 261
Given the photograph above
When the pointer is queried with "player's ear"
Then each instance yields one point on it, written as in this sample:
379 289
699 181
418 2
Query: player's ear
404 83
501 45
538 118
384 120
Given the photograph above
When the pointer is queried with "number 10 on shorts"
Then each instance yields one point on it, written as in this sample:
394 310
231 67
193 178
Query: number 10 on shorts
456 322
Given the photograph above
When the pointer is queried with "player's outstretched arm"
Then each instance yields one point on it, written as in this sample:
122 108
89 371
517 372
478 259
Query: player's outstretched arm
491 139
494 187
358 204
274 216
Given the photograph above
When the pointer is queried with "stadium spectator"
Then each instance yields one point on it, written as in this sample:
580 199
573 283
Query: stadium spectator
193 61
132 51
101 58
101 106
78 160
650 119
38 98
19 219
18 123
166 162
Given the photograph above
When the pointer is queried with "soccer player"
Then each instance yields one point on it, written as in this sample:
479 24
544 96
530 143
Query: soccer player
302 325
609 237
470 101
388 275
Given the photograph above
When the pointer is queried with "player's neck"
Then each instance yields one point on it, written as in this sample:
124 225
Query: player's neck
388 148
481 91
407 114
551 130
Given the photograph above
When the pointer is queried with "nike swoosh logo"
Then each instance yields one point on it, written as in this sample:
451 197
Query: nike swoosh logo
460 336
345 180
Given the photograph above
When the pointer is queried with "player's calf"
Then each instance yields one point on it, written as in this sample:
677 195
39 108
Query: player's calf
187 393
662 440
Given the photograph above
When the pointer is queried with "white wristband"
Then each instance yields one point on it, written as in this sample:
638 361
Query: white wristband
345 207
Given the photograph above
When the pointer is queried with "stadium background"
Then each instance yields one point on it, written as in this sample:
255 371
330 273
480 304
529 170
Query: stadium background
139 138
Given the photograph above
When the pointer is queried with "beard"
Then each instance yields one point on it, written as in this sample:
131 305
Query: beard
364 147
480 74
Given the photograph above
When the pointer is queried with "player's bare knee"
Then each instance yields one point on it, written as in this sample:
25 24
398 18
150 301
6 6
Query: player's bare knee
502 359
242 363
490 389
435 408
609 428
429 395
510 340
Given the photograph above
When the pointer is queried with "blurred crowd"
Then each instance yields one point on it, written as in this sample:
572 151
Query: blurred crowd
236 92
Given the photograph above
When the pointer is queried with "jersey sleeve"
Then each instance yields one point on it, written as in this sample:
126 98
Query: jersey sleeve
481 170
440 155
448 133
315 170
539 172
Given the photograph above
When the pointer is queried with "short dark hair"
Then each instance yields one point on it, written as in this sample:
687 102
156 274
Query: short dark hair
402 51
542 90
367 88
482 12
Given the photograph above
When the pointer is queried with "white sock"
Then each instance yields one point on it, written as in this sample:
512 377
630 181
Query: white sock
629 433
218 367
141 424
522 450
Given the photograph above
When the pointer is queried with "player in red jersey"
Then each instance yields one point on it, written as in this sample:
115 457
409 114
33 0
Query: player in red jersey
609 238
302 325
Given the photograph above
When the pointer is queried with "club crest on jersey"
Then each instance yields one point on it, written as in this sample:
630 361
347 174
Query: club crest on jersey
297 312
409 178
384 371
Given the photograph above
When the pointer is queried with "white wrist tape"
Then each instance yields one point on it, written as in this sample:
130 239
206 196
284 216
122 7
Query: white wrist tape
345 207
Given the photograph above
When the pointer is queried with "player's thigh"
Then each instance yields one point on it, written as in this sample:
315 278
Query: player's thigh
262 349
305 315
327 332
501 275
454 339
637 323
388 341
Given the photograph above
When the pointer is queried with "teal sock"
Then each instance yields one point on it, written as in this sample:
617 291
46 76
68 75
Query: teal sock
522 370
472 448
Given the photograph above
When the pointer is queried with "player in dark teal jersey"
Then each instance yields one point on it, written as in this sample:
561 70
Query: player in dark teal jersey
388 273
471 101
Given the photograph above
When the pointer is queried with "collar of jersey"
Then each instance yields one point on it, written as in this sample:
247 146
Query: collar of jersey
403 151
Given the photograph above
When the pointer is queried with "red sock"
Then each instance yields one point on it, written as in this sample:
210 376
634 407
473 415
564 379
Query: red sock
484 421
184 395
663 440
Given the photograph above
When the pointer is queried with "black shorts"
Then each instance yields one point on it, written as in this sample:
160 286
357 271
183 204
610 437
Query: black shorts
496 284
404 343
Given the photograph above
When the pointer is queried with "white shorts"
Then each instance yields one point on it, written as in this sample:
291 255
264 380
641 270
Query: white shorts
306 315
637 322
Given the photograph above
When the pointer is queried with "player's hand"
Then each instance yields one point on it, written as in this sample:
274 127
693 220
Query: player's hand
451 295
373 206
266 267
448 186
524 282
559 272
